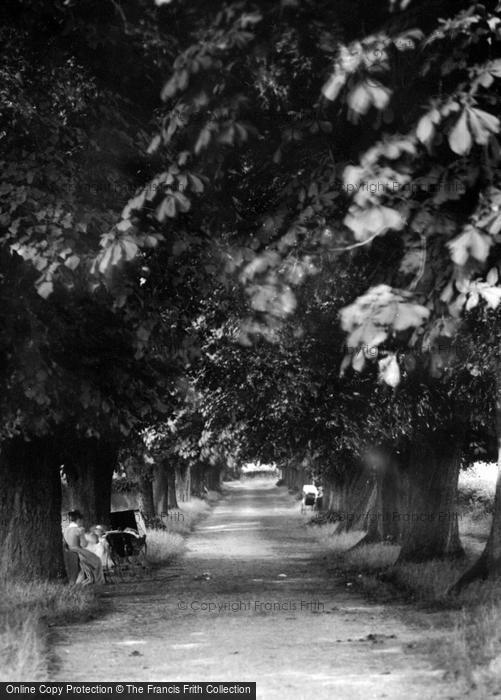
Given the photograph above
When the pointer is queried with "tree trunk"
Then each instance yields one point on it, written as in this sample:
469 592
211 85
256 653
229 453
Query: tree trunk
329 495
295 476
430 520
302 478
214 478
394 496
160 489
383 520
289 476
171 489
183 482
30 510
374 522
356 498
488 564
145 498
187 483
89 470
198 481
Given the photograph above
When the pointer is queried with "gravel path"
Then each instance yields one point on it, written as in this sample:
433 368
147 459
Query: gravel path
270 609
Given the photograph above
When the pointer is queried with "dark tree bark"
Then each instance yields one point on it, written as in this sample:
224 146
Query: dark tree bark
30 510
394 497
160 489
289 477
214 478
295 476
171 489
373 522
302 477
329 495
145 498
429 519
383 521
183 482
488 564
356 498
198 481
89 466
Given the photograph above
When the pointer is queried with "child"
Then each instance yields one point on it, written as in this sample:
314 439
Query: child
98 544
93 543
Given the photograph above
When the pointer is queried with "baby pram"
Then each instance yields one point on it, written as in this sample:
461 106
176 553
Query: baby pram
309 496
127 554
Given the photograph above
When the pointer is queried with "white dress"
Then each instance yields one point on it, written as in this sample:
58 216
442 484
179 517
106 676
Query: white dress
101 550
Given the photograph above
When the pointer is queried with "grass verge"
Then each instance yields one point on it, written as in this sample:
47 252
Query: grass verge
163 546
167 543
472 653
26 612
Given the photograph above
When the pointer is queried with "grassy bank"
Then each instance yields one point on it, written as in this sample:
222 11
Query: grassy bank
473 618
26 612
167 543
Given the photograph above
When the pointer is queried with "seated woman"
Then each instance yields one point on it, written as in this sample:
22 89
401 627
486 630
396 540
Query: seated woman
91 567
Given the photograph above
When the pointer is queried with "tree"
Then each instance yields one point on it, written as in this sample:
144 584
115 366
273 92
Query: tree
88 469
31 494
439 170
77 370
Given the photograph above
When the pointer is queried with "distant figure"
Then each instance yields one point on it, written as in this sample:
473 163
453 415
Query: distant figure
91 567
310 493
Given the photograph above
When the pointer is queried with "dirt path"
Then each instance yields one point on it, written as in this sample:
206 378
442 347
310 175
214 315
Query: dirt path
273 611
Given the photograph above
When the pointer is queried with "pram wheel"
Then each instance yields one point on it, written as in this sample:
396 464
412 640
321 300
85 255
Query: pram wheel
127 554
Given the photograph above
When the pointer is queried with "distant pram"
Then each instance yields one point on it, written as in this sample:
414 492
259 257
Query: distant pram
309 497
